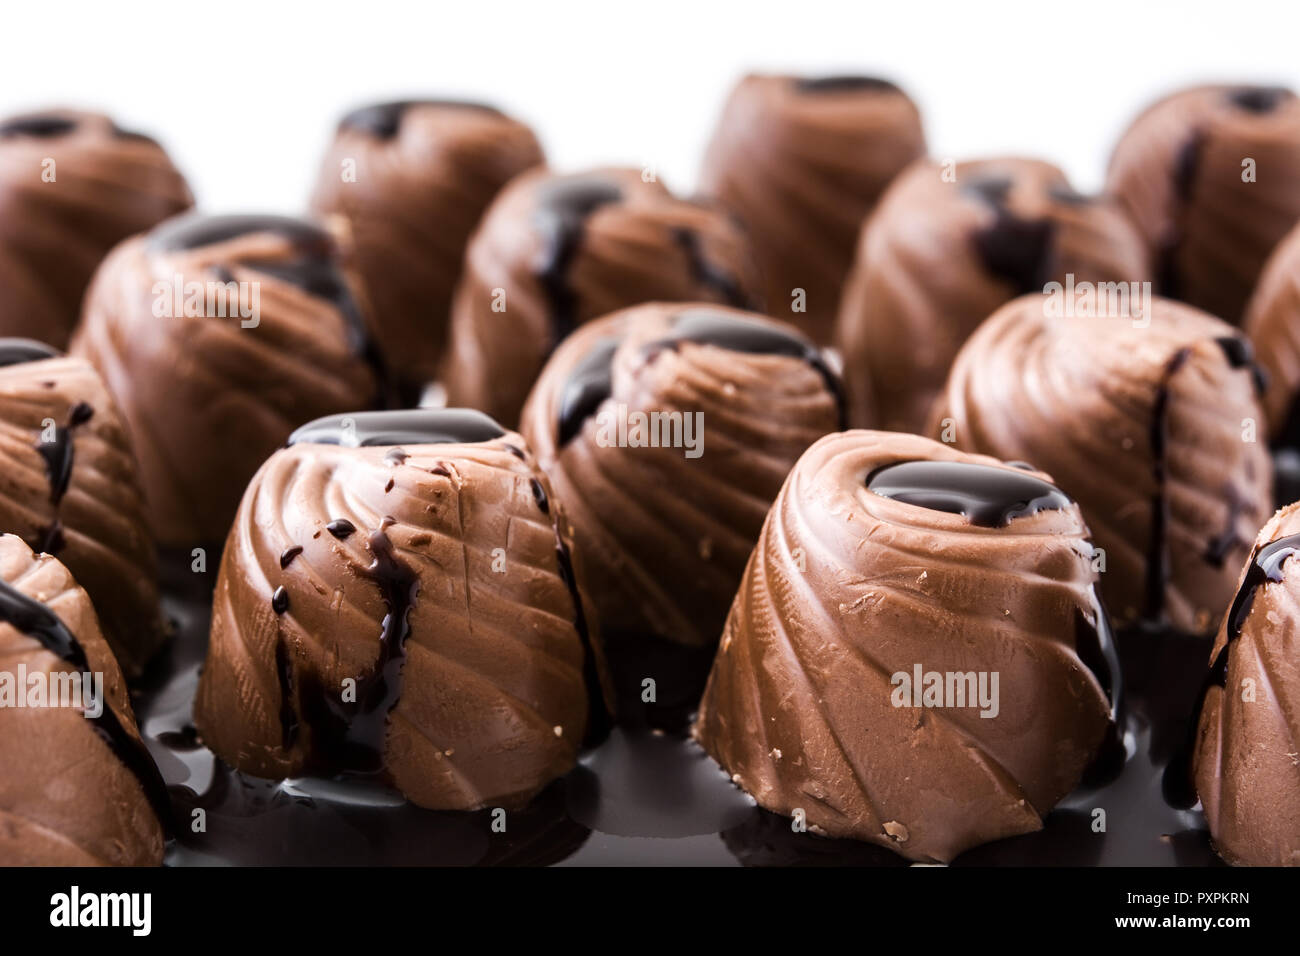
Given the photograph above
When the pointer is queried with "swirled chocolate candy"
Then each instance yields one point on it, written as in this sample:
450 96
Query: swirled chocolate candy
412 178
947 246
218 335
1245 754
916 656
77 786
1273 324
667 431
1211 176
69 487
555 251
72 185
396 602
801 162
1151 422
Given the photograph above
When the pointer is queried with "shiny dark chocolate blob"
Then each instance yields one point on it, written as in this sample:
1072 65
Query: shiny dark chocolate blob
563 207
588 385
413 426
288 554
22 351
36 620
844 83
384 120
280 600
37 125
341 528
1259 99
985 495
1013 248
58 452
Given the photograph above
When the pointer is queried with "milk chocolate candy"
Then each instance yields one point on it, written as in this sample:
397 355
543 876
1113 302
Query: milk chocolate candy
917 656
1273 324
412 179
396 603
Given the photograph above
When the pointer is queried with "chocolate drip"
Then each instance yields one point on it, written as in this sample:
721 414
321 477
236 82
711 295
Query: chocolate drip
563 207
341 528
708 274
539 495
738 333
284 678
22 351
987 496
1186 164
588 385
36 620
599 719
346 737
844 84
413 426
58 453
1240 354
1259 99
384 120
40 125
1266 566
1013 248
1157 545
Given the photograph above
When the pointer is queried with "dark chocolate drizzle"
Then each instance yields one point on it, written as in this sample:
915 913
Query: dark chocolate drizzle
384 120
1157 575
1013 248
710 275
988 496
413 426
563 207
1240 353
22 351
37 125
844 83
539 495
36 620
59 455
588 385
1259 99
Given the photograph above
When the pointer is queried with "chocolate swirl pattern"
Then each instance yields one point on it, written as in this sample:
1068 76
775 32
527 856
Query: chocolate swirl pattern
993 229
72 186
1181 172
1151 429
75 790
420 174
802 161
69 487
208 388
434 577
884 552
1248 731
555 251
664 536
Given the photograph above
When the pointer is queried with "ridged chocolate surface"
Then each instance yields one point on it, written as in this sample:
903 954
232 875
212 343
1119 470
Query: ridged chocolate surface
802 162
1273 324
847 587
1179 171
206 399
421 175
946 247
555 251
1248 731
69 486
432 575
664 537
107 184
1151 430
66 796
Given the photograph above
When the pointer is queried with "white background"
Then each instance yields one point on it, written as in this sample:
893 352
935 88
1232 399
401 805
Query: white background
245 94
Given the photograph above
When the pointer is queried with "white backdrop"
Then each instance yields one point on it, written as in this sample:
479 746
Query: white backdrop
245 94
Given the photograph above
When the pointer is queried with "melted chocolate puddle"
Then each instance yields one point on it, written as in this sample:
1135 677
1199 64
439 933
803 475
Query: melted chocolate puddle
414 426
36 620
986 496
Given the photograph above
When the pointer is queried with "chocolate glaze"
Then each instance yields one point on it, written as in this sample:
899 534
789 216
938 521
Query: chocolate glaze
563 207
384 120
21 351
415 426
36 620
989 497
40 125
588 386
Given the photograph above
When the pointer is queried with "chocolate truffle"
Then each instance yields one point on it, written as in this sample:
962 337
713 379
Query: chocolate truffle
947 246
667 431
1273 324
888 559
1245 762
77 786
555 251
1211 176
396 603
412 179
218 335
69 487
72 186
801 162
1149 423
